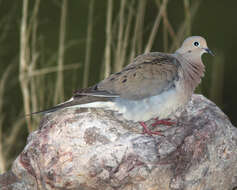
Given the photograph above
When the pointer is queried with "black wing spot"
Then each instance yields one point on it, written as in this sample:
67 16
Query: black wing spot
125 80
112 79
156 61
134 74
160 60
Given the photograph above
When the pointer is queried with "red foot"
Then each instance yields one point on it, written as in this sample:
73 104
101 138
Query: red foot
162 122
149 132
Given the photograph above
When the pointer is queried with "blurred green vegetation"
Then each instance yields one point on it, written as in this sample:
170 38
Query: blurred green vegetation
70 44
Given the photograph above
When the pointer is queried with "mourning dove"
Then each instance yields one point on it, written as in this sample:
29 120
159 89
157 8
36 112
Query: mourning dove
154 85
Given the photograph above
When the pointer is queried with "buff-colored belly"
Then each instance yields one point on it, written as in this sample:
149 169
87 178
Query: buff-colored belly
160 106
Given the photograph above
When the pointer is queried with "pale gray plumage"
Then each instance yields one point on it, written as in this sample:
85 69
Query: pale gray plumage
153 85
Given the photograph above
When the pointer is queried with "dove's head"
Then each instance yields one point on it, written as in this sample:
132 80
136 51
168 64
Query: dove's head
194 45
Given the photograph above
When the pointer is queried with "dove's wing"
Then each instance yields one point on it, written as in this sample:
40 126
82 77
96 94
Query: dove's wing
150 74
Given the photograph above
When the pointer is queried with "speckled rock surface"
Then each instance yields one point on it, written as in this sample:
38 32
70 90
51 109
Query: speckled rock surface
94 149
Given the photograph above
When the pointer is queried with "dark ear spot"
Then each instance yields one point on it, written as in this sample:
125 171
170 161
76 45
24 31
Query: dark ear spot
189 51
134 74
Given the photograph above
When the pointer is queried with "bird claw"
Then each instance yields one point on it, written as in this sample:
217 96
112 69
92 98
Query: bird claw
166 122
149 132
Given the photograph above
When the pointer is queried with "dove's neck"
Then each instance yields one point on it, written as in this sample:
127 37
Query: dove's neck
192 69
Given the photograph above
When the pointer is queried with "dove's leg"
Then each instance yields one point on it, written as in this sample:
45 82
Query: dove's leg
149 132
162 122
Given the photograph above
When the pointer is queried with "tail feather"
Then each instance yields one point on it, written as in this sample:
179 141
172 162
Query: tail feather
66 104
74 101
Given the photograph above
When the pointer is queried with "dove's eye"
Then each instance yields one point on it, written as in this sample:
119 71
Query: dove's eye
196 44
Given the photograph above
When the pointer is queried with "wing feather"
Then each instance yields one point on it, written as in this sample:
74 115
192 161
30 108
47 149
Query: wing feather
150 74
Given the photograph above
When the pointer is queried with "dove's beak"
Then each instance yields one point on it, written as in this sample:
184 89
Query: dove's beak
207 50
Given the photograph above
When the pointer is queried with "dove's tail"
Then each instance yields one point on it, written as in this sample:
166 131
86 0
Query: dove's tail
66 104
78 101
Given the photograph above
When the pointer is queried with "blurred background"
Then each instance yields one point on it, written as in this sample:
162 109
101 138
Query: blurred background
48 49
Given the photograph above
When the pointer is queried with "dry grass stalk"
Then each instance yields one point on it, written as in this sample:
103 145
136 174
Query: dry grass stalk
141 17
24 60
59 90
138 31
180 35
125 50
125 40
156 26
34 59
118 64
88 44
107 58
187 17
3 83
53 69
28 59
169 29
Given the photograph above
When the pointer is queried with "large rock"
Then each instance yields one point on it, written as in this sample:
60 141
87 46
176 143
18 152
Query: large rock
96 150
